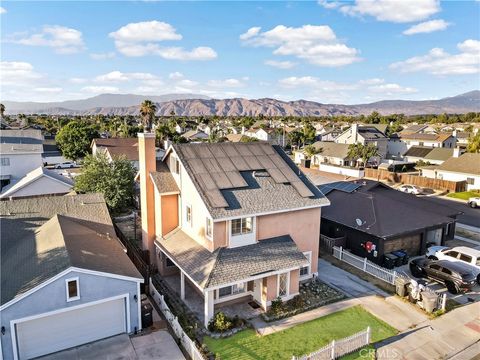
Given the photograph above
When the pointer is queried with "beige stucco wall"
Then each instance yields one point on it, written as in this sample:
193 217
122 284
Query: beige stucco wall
302 225
271 283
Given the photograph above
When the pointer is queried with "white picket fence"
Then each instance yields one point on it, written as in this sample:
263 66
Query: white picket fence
338 348
365 265
187 343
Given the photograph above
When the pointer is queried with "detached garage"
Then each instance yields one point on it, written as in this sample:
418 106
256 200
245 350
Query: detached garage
67 281
70 327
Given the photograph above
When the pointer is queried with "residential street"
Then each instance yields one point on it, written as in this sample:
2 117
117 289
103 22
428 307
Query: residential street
470 217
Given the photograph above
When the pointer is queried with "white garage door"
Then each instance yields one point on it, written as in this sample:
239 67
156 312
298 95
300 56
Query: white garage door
71 328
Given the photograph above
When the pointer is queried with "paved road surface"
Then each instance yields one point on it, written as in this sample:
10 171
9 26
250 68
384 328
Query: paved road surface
470 217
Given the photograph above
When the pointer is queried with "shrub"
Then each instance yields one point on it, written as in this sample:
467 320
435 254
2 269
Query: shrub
277 306
220 323
297 302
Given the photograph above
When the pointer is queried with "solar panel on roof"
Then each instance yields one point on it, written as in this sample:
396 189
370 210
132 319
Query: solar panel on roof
240 163
197 166
344 186
212 165
216 198
203 152
226 164
244 151
266 162
207 181
253 162
302 189
236 179
222 180
256 149
277 176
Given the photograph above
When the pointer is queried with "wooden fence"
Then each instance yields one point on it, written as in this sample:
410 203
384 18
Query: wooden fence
412 179
339 348
327 243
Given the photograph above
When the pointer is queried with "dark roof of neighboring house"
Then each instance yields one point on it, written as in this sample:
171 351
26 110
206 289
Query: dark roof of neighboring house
385 212
370 132
43 236
439 153
163 179
119 146
380 127
414 129
229 265
418 151
194 134
240 179
332 149
468 163
20 141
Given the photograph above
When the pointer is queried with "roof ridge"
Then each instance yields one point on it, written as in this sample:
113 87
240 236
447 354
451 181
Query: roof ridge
215 263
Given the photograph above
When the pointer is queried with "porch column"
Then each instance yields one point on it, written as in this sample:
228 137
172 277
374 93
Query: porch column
208 298
182 285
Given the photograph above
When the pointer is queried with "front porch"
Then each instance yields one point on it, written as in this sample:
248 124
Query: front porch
196 303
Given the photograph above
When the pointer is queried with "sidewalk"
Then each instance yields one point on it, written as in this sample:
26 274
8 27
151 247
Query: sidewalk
441 338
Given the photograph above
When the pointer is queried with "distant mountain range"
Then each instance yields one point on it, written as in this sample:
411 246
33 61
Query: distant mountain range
196 105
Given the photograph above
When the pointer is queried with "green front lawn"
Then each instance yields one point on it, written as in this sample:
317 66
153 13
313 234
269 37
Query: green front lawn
465 195
301 339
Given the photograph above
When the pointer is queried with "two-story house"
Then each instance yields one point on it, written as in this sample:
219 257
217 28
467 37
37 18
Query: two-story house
364 134
20 152
400 143
238 221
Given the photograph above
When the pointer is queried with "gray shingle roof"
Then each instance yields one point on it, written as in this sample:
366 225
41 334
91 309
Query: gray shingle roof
21 141
229 265
163 179
468 163
418 151
240 179
438 153
41 237
332 149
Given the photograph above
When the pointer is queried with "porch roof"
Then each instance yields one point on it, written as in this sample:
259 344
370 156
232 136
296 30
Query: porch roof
229 265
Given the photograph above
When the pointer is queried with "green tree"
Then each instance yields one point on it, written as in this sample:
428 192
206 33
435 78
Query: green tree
74 139
311 151
362 153
147 111
308 133
2 110
474 144
114 179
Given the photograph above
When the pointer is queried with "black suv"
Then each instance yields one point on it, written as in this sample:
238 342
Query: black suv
457 277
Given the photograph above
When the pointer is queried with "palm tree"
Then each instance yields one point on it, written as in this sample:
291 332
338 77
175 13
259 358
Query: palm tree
2 110
362 152
310 151
147 111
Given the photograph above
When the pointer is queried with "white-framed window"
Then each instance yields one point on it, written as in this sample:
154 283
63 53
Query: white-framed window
188 214
283 284
232 290
470 181
4 161
177 166
305 270
208 227
242 226
72 289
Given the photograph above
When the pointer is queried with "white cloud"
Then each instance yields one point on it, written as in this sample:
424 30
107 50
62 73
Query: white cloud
62 39
317 45
391 89
280 64
102 56
439 62
118 76
175 75
397 11
2 10
18 73
100 89
227 83
143 38
427 27
76 80
50 90
314 82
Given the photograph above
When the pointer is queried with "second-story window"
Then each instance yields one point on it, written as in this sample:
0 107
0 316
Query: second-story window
177 166
242 226
188 215
208 227
5 161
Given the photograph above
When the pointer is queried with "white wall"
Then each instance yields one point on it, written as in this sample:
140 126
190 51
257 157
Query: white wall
21 164
42 186
342 170
451 176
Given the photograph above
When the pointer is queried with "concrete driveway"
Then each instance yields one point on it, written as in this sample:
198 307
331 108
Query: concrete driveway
158 345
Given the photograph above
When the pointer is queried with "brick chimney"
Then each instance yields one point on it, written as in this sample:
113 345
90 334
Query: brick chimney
147 164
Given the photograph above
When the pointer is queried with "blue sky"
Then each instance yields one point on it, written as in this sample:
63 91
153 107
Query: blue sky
327 51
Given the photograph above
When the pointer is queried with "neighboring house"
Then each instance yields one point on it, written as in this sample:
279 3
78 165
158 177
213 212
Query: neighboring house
51 153
66 279
461 138
330 153
272 135
369 211
193 135
38 182
20 152
236 137
237 221
430 155
400 143
364 134
465 167
117 147
414 129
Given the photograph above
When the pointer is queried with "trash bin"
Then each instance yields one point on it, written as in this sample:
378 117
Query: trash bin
389 261
429 300
401 285
147 315
405 257
399 260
